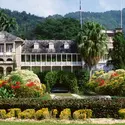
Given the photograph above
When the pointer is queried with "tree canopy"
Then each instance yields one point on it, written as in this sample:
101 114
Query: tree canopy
117 53
63 28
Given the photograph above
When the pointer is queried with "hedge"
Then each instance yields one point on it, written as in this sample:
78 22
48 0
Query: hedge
101 108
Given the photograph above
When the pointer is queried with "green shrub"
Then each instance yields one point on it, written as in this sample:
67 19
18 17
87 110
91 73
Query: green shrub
28 92
69 80
82 78
42 114
65 114
42 75
51 79
102 108
2 113
121 113
54 113
79 114
13 112
14 78
27 114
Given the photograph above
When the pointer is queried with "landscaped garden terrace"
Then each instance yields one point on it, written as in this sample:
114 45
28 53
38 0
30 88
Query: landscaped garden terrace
23 96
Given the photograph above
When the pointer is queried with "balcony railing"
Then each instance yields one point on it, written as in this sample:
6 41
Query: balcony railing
52 59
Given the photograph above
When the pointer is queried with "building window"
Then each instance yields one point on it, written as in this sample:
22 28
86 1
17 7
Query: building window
36 45
9 48
1 48
66 45
51 45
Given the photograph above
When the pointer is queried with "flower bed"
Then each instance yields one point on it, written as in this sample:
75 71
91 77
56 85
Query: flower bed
111 83
45 113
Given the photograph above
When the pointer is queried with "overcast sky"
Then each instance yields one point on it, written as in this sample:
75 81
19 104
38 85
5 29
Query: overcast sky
51 7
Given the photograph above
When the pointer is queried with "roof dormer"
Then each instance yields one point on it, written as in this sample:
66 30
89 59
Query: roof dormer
36 45
66 45
51 45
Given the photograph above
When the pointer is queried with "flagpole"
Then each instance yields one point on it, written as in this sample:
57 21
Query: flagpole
80 11
121 13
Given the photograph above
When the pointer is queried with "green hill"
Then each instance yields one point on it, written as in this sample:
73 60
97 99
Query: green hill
28 22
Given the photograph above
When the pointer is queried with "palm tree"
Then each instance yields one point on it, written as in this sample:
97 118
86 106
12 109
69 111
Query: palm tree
7 23
92 44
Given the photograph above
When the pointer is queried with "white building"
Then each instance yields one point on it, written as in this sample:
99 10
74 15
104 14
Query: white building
43 55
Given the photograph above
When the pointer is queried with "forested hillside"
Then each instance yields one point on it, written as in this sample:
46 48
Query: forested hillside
28 24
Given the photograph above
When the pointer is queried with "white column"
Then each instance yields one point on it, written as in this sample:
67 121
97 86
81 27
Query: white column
77 58
61 67
51 62
4 71
31 59
41 69
66 58
46 57
31 68
56 58
71 68
71 58
25 57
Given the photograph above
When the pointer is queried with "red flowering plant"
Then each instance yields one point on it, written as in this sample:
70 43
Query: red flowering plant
101 82
5 90
16 85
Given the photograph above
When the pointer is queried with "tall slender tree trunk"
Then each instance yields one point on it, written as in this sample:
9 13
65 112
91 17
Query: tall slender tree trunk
89 69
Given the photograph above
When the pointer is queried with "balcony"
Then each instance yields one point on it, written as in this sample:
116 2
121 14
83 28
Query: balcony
6 54
58 59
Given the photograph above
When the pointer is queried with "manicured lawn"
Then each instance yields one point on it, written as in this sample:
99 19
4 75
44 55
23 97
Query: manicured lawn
48 123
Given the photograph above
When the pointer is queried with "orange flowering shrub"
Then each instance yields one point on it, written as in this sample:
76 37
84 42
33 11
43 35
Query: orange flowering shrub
110 83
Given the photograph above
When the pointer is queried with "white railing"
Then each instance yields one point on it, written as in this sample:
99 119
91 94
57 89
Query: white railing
51 63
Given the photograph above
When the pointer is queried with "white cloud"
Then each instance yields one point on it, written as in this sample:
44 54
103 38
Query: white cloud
110 4
37 7
50 7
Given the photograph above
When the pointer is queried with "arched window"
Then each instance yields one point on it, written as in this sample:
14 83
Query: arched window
9 59
1 59
8 70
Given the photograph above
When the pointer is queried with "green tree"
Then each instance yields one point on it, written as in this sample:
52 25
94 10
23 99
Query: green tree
62 28
92 44
117 53
7 23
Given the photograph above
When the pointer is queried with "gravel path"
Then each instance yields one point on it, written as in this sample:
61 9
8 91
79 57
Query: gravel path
92 121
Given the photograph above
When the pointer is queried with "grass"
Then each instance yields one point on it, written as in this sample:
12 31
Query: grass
62 94
47 123
46 96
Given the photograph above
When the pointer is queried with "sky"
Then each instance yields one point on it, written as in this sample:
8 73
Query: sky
44 8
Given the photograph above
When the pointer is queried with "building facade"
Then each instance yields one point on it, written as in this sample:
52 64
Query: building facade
44 55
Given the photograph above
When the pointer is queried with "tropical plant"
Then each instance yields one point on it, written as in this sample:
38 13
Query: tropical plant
117 56
7 23
92 44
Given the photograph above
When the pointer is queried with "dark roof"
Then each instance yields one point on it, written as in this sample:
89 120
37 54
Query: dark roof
28 46
7 37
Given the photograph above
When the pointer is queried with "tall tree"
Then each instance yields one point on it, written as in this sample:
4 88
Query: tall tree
62 28
7 23
92 43
117 53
